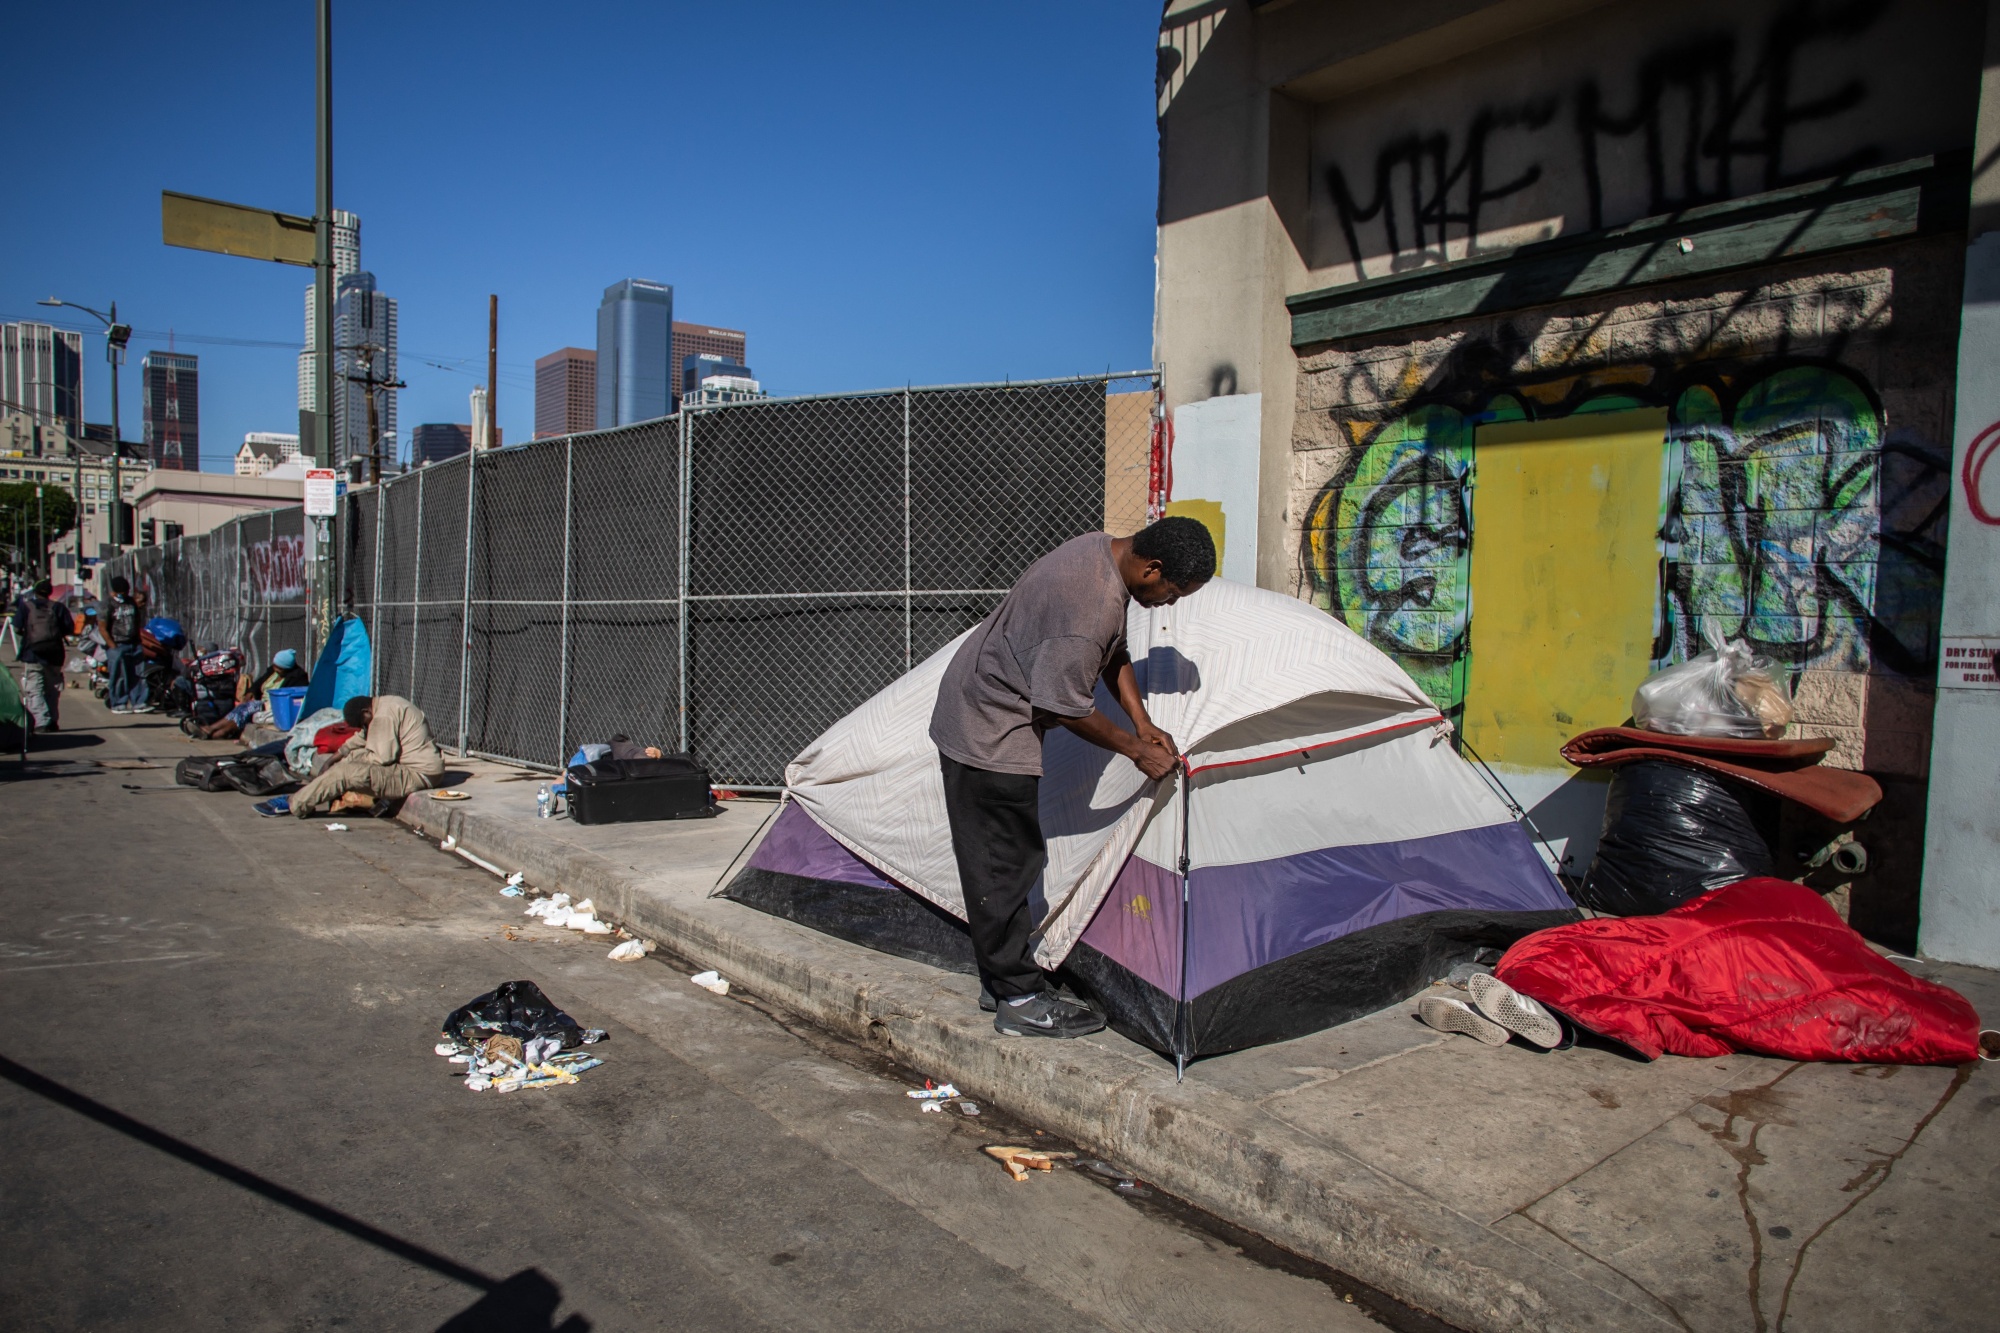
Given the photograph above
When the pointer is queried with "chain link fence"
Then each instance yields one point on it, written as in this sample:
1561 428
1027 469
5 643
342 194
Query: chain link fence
242 584
728 581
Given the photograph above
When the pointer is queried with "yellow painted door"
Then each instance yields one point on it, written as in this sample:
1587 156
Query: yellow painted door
1565 579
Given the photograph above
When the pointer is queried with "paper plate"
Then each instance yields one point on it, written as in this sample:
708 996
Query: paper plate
451 796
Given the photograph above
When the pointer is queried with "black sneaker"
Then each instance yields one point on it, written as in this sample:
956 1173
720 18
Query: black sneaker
1047 1015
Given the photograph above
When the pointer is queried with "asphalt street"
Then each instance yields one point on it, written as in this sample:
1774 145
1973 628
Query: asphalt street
221 1109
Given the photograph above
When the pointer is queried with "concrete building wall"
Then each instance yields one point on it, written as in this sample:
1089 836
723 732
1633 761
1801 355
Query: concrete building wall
1777 431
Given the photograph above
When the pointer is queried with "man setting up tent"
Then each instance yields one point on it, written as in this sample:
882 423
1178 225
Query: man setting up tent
1033 664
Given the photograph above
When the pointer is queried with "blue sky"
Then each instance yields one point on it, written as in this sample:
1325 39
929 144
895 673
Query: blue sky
878 194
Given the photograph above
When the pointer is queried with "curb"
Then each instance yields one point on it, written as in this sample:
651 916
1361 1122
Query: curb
1226 1155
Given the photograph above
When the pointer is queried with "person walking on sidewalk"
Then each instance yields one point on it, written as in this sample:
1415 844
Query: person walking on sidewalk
119 620
41 631
1033 664
391 757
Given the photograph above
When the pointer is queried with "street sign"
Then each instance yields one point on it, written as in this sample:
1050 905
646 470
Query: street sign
234 229
1970 663
322 492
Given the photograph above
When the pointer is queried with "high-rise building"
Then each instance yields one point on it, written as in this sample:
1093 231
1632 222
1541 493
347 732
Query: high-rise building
435 441
697 370
364 359
346 263
635 376
41 374
707 340
566 392
170 398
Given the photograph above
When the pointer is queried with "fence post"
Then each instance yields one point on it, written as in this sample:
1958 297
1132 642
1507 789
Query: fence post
416 582
906 527
465 604
375 600
562 667
686 505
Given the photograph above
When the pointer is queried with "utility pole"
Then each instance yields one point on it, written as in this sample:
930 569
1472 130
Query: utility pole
321 624
373 385
492 369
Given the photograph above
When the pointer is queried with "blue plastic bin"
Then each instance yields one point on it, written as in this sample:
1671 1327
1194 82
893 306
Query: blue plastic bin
285 701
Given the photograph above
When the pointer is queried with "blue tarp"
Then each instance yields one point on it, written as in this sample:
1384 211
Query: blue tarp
342 670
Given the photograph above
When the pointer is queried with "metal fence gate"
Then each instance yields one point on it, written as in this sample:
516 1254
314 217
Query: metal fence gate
727 581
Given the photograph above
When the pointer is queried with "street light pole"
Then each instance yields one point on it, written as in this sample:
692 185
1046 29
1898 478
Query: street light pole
116 336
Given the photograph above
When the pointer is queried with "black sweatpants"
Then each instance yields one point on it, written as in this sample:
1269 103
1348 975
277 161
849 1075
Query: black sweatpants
996 835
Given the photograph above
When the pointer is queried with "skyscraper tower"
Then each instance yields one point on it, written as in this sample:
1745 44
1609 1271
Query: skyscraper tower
635 373
346 263
41 374
364 358
170 389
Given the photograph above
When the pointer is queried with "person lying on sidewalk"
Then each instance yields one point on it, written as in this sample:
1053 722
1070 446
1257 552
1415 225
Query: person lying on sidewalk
1033 664
284 672
391 757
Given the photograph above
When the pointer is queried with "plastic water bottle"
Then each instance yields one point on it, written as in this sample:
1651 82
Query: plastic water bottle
545 801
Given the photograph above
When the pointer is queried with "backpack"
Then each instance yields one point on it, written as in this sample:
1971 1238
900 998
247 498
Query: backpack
124 624
47 627
203 773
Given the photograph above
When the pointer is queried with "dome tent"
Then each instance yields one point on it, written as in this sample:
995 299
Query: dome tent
1324 853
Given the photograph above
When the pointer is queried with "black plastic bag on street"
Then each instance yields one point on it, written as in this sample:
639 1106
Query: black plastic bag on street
512 1009
1671 833
260 776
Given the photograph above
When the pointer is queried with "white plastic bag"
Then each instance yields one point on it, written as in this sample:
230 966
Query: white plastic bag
1727 691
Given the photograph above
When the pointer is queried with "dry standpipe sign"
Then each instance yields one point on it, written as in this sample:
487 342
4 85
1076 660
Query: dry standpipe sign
1970 664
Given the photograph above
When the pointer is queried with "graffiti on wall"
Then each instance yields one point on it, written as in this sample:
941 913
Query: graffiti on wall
1708 117
1788 517
278 569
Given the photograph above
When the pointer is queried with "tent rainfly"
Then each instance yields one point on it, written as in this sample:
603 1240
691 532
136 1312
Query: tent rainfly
1324 853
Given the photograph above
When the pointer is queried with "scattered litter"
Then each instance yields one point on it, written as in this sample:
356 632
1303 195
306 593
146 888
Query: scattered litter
336 828
1019 1161
945 1093
450 842
631 951
969 1108
932 1106
512 1038
511 891
548 908
515 880
711 981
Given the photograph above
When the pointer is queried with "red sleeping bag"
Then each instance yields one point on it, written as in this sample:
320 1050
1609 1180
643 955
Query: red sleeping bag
1762 965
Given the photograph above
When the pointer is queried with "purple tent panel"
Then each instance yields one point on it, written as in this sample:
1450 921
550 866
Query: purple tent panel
1245 916
797 845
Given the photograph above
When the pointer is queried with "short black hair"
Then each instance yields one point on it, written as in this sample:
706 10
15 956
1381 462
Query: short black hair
43 587
1182 546
355 711
119 585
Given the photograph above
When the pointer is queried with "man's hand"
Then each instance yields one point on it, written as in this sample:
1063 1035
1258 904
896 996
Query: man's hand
1154 759
1149 734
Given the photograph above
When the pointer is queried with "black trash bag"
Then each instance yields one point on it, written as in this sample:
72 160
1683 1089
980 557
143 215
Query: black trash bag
1672 833
512 1009
259 776
204 773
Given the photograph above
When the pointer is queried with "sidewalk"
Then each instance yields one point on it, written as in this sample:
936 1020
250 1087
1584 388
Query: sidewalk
1499 1188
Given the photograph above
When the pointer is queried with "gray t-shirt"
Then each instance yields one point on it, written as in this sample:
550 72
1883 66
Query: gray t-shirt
1034 660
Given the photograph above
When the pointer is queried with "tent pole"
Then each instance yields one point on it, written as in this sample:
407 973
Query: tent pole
1184 1024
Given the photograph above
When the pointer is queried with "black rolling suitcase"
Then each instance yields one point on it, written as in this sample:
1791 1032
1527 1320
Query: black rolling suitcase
626 791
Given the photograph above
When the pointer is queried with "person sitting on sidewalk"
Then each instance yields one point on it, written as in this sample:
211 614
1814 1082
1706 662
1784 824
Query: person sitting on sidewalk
283 673
41 632
391 757
1031 665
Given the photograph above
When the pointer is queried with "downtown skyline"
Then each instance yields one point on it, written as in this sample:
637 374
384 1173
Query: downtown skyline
907 201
